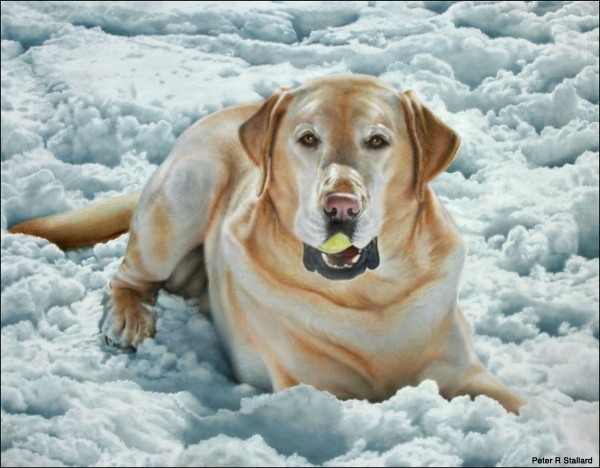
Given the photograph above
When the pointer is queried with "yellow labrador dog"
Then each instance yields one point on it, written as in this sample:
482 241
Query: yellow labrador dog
309 221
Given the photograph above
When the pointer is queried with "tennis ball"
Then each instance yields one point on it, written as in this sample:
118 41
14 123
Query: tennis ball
335 244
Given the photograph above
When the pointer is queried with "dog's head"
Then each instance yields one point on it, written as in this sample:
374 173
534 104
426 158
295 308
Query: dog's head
343 154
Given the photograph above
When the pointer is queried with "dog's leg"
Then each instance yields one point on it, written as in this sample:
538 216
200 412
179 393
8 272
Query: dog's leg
484 383
477 380
454 380
170 223
458 370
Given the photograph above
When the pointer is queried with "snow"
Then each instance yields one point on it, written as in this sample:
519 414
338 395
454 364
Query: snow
94 94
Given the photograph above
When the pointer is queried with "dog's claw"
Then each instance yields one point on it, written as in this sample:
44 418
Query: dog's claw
126 327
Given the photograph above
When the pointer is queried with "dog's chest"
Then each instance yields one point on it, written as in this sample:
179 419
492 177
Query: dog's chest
279 336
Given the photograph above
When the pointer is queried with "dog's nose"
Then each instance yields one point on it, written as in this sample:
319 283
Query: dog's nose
342 206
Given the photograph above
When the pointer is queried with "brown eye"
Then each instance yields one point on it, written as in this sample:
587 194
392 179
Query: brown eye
377 141
308 140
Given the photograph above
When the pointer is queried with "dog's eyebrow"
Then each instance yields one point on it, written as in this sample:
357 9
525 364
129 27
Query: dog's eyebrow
379 128
303 127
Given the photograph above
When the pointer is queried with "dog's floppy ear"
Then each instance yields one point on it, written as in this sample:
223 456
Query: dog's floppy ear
257 134
435 143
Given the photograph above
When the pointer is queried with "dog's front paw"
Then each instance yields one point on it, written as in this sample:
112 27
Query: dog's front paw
128 321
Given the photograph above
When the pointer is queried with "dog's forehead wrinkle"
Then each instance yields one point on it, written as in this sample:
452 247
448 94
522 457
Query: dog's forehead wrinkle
350 99
302 110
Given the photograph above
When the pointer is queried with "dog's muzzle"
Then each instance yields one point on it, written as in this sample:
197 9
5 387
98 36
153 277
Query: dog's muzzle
344 265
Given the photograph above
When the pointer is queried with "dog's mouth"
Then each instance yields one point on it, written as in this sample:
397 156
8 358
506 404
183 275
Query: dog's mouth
343 265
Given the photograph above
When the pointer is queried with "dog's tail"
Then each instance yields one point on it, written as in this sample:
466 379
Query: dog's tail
98 222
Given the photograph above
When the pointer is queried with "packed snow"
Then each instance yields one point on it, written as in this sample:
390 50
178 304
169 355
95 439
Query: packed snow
94 94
